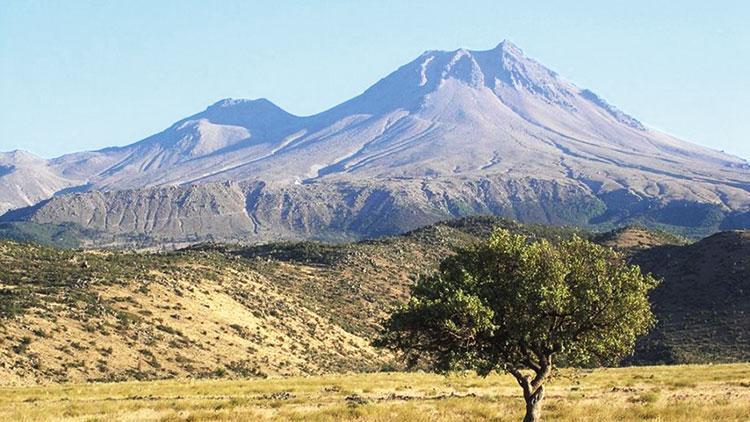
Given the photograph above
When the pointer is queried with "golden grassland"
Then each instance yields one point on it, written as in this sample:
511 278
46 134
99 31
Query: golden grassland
658 393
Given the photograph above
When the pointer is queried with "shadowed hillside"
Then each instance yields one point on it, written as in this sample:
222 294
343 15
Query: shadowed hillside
703 304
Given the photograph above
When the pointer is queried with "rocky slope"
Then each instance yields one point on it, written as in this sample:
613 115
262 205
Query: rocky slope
290 308
257 212
454 121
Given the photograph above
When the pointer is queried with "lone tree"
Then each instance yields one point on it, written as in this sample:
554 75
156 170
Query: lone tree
511 305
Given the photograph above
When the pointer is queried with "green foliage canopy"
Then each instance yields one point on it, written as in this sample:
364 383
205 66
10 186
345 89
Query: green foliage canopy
511 304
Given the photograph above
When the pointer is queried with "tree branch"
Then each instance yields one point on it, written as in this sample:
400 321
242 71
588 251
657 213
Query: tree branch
527 357
543 373
522 379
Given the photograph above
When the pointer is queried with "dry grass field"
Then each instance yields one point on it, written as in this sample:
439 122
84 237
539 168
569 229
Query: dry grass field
660 393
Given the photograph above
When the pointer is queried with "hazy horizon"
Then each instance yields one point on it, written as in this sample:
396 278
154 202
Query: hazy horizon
88 76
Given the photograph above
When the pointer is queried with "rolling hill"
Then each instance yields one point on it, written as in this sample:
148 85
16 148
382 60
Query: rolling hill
218 310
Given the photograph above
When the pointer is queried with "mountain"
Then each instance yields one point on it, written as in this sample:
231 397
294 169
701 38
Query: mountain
26 179
449 134
216 310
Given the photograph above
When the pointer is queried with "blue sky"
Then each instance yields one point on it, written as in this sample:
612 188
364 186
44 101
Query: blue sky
78 75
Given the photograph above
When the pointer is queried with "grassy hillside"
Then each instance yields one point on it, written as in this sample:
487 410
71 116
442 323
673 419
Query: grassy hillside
632 239
674 393
70 316
279 309
211 310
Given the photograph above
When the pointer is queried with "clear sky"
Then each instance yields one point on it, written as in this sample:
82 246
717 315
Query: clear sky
78 75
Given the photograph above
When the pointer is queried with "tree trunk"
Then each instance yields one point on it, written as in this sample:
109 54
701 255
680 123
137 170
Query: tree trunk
534 405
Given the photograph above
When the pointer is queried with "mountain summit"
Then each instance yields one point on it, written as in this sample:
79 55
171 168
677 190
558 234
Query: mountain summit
449 133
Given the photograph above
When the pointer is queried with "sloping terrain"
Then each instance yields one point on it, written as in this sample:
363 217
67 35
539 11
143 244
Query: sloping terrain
452 133
211 310
101 316
307 307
